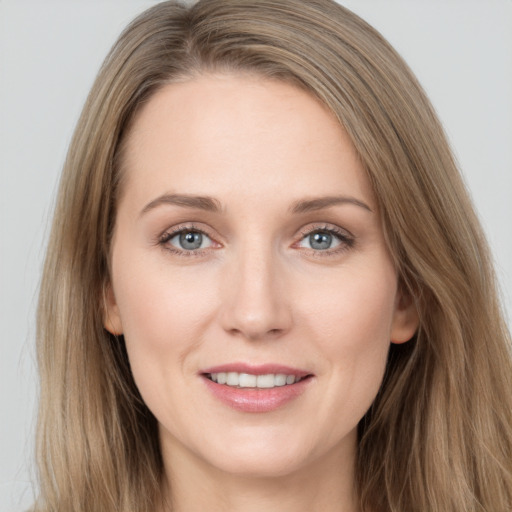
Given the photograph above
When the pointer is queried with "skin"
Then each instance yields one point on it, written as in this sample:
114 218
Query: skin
258 291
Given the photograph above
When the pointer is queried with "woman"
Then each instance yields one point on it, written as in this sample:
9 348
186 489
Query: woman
265 283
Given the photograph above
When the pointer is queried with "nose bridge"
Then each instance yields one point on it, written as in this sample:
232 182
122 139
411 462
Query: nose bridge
255 305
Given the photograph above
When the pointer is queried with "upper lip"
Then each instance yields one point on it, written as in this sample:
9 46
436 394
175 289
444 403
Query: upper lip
256 369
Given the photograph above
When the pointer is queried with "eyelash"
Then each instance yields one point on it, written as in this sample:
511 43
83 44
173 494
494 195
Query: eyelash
346 240
164 239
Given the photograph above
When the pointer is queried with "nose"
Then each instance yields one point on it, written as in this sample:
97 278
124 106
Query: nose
256 304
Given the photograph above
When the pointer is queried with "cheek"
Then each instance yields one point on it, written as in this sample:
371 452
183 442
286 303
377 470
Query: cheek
351 320
163 316
155 298
355 306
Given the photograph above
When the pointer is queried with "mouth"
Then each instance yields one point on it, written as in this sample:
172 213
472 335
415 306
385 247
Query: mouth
248 380
256 389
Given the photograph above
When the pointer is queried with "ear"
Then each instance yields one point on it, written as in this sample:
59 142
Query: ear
405 318
111 317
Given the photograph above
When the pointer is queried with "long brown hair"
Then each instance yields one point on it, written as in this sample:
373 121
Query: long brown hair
439 434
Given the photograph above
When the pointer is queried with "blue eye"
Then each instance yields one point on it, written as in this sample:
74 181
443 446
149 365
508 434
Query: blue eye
321 241
324 240
190 240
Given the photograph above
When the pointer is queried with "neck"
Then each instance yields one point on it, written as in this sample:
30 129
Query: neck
326 484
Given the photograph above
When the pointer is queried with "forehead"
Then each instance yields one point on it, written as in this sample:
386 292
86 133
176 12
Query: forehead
218 133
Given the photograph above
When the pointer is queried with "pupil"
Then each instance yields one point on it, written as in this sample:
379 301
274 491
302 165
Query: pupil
320 241
191 240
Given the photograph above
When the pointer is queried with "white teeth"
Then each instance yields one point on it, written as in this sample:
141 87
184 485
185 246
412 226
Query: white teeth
265 381
280 379
232 379
247 380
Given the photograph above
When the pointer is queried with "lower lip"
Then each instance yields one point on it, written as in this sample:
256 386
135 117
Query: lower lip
256 399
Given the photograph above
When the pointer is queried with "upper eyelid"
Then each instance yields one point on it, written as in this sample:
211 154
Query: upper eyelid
325 226
180 228
305 230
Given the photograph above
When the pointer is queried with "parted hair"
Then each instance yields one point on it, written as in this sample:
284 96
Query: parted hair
438 436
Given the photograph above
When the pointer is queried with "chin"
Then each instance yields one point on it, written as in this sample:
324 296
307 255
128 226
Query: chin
273 457
275 466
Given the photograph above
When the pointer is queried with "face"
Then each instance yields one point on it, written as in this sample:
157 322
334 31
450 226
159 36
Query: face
250 276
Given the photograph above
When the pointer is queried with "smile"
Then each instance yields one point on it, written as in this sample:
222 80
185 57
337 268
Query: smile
256 388
247 380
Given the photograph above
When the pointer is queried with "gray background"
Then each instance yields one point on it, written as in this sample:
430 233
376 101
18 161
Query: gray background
461 51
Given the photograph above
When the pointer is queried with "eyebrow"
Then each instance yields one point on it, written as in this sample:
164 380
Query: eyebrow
197 202
311 205
211 204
